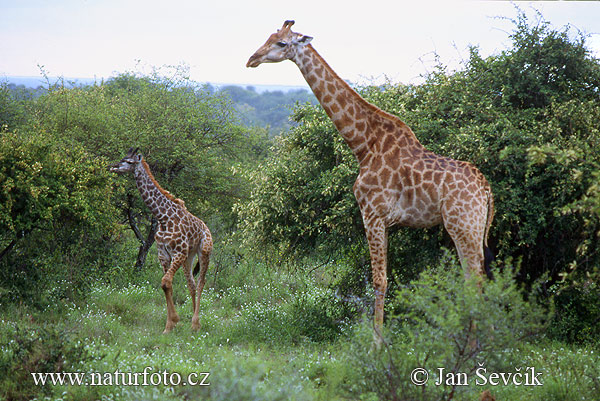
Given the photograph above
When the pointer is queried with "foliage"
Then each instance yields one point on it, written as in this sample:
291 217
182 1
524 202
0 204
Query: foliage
442 322
53 201
13 102
28 349
189 137
254 341
577 318
269 109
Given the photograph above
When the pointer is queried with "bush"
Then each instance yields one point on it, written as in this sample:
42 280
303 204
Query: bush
29 349
442 322
56 218
577 317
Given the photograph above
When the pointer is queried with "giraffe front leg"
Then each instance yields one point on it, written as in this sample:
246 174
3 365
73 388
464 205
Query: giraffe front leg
167 286
164 257
377 239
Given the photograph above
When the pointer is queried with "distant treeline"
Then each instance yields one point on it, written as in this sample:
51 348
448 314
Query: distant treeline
269 109
266 109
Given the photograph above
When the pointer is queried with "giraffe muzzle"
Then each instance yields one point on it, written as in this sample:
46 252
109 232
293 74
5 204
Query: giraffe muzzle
253 61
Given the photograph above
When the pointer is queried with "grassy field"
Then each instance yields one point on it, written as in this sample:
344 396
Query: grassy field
265 335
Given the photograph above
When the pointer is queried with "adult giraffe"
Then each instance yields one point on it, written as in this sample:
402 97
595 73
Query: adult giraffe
399 181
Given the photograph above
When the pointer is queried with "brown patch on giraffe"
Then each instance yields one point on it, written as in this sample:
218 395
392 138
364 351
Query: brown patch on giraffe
354 141
360 125
415 176
408 197
319 89
327 99
370 180
431 191
378 200
342 100
419 165
376 163
388 142
346 121
392 158
385 176
388 126
403 143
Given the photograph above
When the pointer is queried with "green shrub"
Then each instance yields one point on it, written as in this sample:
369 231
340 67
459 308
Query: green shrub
30 348
441 321
577 317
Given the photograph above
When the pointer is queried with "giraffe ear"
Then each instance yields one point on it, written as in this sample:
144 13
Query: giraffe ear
304 40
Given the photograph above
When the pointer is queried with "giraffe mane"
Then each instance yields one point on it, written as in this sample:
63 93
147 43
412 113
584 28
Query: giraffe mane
166 193
364 102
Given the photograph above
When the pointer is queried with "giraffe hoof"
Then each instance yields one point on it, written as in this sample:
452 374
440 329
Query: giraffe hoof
195 324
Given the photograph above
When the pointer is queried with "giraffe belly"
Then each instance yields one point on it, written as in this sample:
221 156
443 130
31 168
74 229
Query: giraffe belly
409 212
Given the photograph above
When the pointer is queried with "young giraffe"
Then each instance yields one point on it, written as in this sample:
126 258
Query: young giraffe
180 235
399 181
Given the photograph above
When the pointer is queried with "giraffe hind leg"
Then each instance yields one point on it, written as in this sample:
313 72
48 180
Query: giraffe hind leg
488 258
191 283
203 261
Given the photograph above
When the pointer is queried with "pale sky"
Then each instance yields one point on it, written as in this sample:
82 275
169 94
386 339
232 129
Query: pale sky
364 41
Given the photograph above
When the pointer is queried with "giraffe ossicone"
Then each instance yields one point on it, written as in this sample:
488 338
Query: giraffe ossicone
399 181
179 238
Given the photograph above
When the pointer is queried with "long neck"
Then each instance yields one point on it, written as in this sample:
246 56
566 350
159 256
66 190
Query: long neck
158 200
353 116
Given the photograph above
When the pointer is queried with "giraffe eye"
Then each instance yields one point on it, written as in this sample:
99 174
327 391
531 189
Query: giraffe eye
281 44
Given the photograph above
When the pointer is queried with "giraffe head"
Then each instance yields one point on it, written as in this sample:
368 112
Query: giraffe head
128 163
280 46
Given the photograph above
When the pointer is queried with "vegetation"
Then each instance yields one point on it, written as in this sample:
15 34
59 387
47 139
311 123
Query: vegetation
287 310
269 109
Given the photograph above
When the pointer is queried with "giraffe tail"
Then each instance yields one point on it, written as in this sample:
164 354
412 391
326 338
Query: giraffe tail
488 255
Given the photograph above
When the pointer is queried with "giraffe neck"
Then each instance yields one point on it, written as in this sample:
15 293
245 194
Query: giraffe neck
156 198
352 115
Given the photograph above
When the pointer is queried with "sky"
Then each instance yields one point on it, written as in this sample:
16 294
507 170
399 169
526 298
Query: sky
364 41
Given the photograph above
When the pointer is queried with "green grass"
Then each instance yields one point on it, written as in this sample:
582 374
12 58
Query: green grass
268 336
